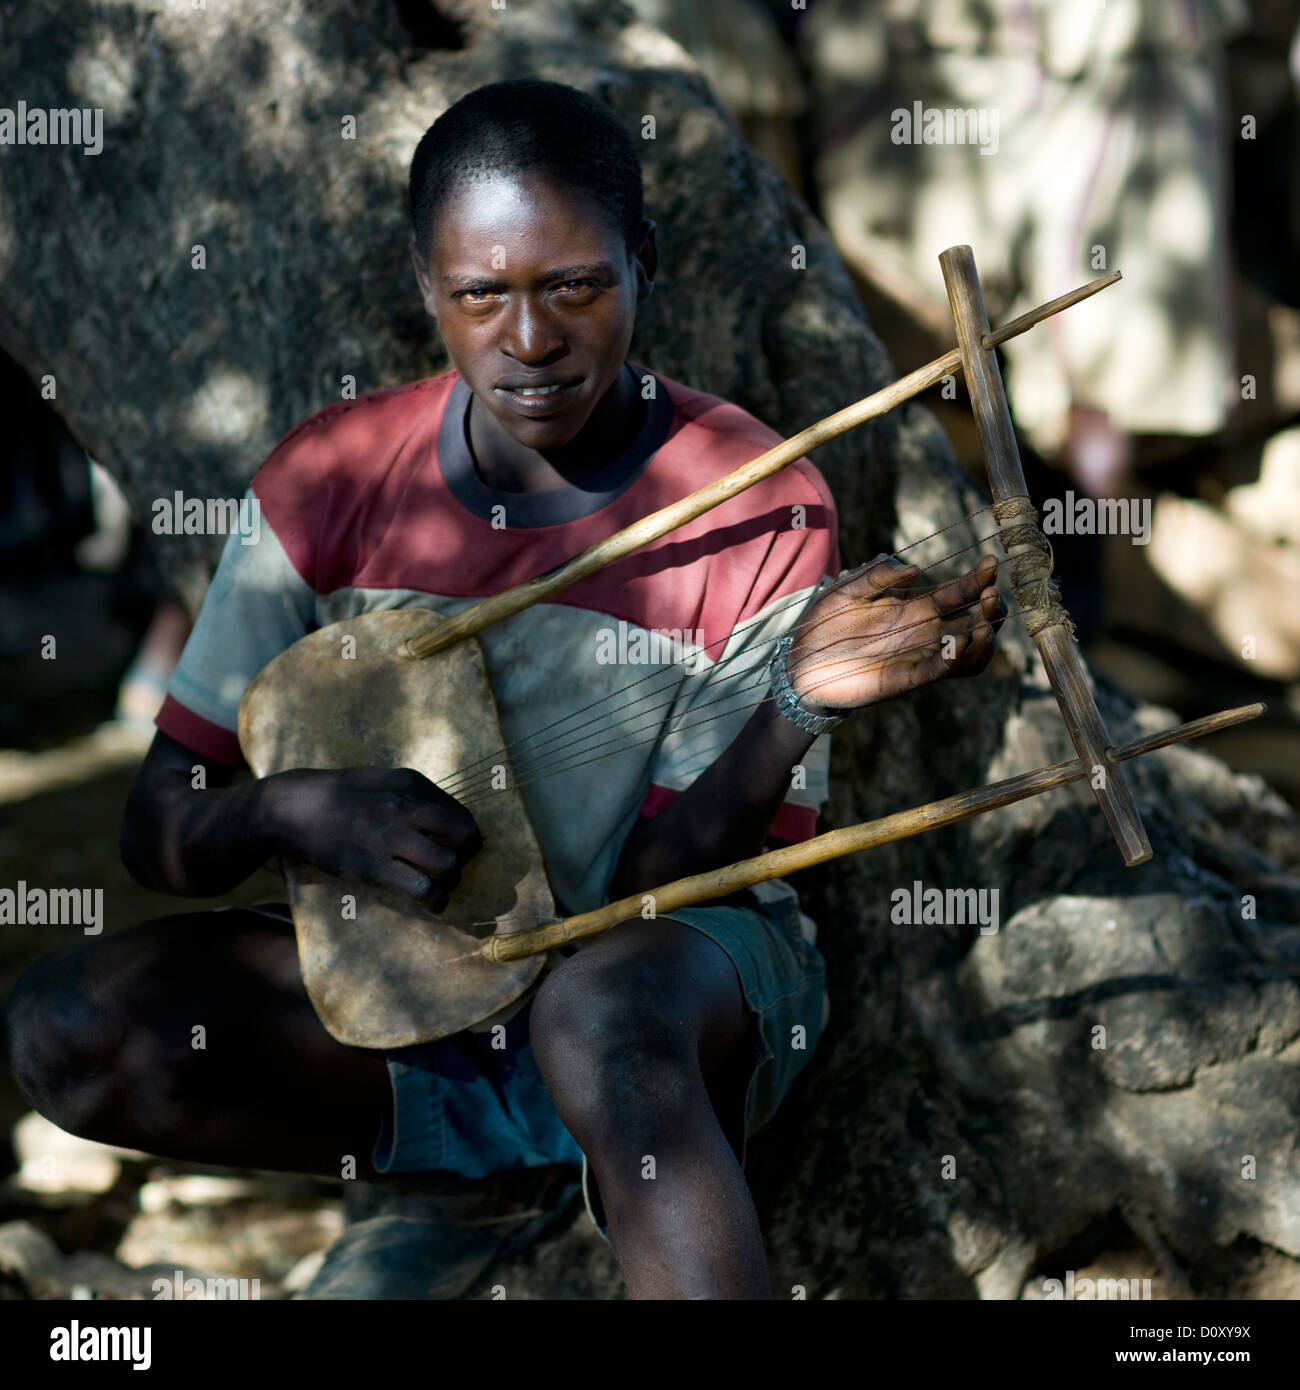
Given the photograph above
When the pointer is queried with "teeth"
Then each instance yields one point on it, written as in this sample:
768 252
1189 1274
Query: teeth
537 390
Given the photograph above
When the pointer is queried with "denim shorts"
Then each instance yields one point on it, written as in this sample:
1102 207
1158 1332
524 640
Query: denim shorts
465 1105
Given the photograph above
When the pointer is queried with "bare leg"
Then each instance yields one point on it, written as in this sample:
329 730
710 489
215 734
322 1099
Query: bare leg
630 1034
192 1037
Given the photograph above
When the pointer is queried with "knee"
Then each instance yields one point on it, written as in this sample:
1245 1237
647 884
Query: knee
59 1045
613 1063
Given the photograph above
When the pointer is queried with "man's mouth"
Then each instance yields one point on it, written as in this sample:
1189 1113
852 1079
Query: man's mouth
543 398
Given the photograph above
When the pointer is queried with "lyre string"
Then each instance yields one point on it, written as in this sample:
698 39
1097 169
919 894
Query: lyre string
684 721
669 670
532 744
534 759
619 742
567 761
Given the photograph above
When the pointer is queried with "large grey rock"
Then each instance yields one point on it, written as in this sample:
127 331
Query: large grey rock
958 1124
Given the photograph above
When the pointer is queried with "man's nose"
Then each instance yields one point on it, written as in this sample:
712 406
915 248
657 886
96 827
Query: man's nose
532 335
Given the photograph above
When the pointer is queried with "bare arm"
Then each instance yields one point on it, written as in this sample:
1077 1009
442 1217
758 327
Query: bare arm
194 840
386 826
868 640
723 815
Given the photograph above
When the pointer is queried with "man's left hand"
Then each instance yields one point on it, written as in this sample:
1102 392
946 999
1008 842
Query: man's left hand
875 636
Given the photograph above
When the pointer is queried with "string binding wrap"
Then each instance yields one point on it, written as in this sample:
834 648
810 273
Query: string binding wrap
1030 553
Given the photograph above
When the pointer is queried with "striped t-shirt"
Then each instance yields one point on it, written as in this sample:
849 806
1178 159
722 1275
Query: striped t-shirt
376 504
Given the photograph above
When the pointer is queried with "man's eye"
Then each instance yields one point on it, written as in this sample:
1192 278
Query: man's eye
578 284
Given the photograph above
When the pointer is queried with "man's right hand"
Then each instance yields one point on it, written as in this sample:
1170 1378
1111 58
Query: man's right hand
392 828
187 830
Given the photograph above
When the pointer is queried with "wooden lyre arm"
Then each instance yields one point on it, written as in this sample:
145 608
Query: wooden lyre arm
1039 601
718 883
1047 622
649 528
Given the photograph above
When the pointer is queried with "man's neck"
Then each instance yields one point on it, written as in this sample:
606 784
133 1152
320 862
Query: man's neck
503 463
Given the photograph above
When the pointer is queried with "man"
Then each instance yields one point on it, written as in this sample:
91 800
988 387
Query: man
649 1053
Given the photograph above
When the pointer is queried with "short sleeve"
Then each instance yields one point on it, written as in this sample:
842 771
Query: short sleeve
256 606
726 684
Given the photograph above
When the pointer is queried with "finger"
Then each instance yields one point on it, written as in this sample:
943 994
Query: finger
429 892
966 589
936 664
974 650
882 574
437 860
420 791
400 876
433 811
884 577
959 629
993 608
857 651
445 820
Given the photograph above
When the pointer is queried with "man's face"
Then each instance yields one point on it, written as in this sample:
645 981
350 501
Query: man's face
535 296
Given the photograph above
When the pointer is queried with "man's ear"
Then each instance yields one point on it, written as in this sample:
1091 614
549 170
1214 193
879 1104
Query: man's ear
647 260
423 280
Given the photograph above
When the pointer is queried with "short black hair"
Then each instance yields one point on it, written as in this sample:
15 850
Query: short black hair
524 127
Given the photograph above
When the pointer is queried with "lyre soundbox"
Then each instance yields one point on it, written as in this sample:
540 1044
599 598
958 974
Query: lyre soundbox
380 971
